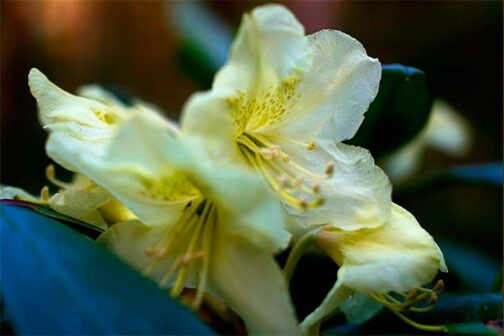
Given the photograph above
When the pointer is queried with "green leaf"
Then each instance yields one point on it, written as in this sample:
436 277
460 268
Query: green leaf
204 39
474 328
464 308
55 281
475 270
398 113
89 230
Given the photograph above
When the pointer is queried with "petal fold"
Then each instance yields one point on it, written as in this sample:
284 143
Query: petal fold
396 256
270 45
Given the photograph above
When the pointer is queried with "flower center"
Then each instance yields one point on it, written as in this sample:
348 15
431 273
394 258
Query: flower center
263 107
188 245
295 184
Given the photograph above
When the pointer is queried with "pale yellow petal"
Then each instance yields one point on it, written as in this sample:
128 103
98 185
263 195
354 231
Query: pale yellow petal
332 96
251 283
81 204
207 122
57 105
396 256
7 192
335 297
270 45
357 195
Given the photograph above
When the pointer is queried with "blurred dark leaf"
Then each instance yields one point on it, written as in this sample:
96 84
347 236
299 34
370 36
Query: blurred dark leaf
485 175
83 227
399 111
474 328
452 310
475 270
55 281
498 286
204 39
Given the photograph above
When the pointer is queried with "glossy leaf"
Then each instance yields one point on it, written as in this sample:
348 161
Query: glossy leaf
474 328
81 226
55 281
399 111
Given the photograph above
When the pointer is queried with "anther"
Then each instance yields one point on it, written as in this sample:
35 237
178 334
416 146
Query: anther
285 157
44 193
268 153
412 294
439 286
303 204
316 188
310 145
421 297
329 169
150 251
284 182
433 299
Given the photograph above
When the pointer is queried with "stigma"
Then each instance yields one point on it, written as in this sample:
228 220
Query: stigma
188 247
296 185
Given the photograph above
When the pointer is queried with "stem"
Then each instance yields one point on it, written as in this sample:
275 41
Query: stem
297 252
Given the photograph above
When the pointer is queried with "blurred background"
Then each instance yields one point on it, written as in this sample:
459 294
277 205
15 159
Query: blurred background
164 51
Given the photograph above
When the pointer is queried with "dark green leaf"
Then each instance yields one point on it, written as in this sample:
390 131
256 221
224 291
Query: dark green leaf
55 281
474 270
474 328
204 39
398 113
83 227
485 175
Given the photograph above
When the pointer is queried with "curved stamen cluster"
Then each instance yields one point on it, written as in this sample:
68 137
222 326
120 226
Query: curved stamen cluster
418 299
188 245
295 184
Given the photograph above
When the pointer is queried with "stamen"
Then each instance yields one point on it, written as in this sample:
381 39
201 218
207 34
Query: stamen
316 188
51 176
44 193
329 169
310 145
416 295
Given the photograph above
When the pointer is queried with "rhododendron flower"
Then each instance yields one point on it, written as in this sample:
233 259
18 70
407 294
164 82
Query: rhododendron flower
293 99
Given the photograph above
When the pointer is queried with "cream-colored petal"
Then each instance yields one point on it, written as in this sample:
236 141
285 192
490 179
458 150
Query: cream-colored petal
251 283
57 105
81 204
396 256
357 195
98 93
335 297
206 120
131 168
132 240
7 192
246 206
333 95
270 45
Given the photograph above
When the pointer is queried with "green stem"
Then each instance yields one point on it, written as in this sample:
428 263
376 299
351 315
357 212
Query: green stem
298 251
